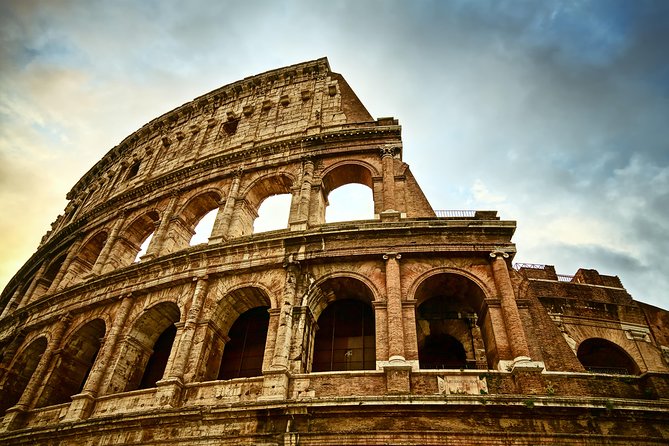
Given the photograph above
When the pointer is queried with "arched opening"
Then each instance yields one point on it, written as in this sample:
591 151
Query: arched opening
244 352
20 372
73 363
155 366
203 228
347 192
452 326
144 355
345 337
601 356
192 225
350 202
273 213
49 275
85 258
247 209
127 248
143 248
237 335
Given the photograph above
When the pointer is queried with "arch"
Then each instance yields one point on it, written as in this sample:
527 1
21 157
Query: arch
244 352
345 339
238 310
19 373
411 292
73 364
46 279
453 328
144 354
181 234
603 356
347 172
129 242
85 259
345 284
268 185
246 209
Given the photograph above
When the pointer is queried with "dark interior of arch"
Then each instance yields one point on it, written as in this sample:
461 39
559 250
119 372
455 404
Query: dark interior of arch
345 338
73 364
447 323
155 367
19 375
244 352
600 355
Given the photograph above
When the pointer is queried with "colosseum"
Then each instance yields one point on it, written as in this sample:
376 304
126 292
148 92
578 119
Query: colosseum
413 327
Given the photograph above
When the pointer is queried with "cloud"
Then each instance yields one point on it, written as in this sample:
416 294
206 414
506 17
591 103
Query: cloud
553 112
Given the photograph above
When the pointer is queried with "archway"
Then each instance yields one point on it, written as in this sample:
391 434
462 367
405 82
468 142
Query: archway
144 355
20 372
601 356
126 250
73 364
348 193
452 325
244 352
237 335
345 339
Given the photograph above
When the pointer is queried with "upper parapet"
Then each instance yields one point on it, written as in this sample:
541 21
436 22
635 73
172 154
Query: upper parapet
298 99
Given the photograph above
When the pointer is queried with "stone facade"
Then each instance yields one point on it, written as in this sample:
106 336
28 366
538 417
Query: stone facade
410 328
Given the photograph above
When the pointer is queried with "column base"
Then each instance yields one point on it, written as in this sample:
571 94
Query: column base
390 215
527 375
275 385
13 419
398 376
169 392
81 407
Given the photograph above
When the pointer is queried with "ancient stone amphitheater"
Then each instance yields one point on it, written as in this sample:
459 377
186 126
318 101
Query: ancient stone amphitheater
412 327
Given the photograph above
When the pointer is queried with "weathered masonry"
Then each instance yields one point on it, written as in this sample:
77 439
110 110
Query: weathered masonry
411 327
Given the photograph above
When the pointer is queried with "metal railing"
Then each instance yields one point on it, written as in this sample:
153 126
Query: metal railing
564 278
455 213
518 266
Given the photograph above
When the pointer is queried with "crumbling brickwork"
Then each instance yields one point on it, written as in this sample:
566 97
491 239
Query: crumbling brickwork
411 328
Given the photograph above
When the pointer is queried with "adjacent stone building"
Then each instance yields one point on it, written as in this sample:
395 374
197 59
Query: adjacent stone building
413 327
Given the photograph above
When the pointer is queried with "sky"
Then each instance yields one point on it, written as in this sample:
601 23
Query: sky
553 113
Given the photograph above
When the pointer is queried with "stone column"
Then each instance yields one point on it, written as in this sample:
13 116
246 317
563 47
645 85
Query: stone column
158 239
512 322
186 339
83 404
397 369
27 297
387 155
14 415
219 231
72 253
275 382
12 304
302 217
394 299
109 244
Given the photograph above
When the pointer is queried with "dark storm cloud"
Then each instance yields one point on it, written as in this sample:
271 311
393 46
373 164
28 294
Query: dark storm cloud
553 112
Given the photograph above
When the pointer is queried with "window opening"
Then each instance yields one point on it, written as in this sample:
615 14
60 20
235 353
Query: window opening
350 202
273 213
143 248
602 356
345 338
244 352
133 170
203 228
155 367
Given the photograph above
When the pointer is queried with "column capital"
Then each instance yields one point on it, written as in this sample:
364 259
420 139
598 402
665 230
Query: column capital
389 150
392 255
498 252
